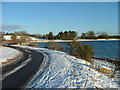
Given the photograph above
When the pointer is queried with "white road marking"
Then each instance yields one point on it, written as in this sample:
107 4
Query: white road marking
17 68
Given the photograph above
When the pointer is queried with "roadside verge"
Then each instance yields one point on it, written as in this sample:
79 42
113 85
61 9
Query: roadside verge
40 70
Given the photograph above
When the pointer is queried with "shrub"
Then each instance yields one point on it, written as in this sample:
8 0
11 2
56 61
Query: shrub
82 51
32 45
73 47
54 46
85 52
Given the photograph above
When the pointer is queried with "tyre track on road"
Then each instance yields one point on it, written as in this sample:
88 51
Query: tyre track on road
21 76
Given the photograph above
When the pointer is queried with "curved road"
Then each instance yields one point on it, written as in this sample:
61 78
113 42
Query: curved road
21 76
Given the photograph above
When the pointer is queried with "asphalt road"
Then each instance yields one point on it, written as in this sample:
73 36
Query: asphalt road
16 62
19 78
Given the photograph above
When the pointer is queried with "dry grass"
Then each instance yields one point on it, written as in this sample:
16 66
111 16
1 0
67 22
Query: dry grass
32 45
104 70
10 59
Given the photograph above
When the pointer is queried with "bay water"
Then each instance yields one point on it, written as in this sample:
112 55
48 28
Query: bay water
103 49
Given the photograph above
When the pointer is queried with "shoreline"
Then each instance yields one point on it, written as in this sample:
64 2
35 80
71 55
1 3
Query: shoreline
72 40
115 61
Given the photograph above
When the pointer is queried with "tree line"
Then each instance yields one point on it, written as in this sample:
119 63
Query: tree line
91 35
66 35
69 35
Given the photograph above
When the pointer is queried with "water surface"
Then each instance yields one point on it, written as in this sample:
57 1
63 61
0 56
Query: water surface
103 49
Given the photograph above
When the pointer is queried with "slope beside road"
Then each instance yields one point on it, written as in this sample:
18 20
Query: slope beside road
66 71
21 73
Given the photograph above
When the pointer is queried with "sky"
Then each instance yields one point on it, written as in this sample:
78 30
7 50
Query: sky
43 17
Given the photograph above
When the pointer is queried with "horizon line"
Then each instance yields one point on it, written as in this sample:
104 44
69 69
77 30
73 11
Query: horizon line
59 0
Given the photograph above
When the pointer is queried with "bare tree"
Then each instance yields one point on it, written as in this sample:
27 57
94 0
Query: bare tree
14 38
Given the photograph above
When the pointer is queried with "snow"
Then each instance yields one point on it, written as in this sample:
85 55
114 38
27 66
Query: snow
103 64
7 53
36 39
8 37
65 71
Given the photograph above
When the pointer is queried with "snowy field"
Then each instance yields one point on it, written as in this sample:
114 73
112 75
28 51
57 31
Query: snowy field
65 71
8 37
7 53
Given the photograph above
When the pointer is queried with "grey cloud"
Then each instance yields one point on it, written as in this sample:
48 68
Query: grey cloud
55 23
11 27
48 23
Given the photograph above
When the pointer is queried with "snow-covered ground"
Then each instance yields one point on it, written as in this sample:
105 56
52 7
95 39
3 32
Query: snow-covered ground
36 39
8 37
7 53
103 64
65 71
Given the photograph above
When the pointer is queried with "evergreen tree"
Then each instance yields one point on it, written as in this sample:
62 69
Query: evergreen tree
67 35
83 36
103 35
59 35
72 35
50 36
90 34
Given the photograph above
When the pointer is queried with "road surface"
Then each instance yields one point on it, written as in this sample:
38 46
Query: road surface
20 76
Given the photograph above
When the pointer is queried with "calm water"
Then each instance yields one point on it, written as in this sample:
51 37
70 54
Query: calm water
104 49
